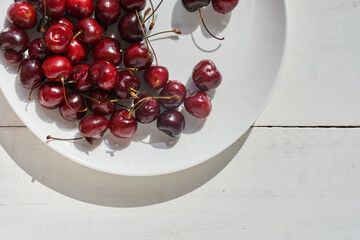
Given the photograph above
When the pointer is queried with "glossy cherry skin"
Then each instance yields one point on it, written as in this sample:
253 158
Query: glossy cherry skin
105 107
22 14
57 67
194 5
65 21
54 8
93 126
38 50
224 6
51 95
79 8
125 81
91 31
107 12
13 38
76 52
132 5
30 73
103 74
206 76
129 28
148 110
198 104
173 88
138 56
108 49
171 122
81 80
77 103
58 37
13 57
122 125
156 76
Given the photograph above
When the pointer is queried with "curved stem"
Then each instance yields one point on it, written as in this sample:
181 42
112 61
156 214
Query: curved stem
157 7
65 97
203 22
169 31
143 31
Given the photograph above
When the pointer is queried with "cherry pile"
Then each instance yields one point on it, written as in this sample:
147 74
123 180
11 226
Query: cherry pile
95 93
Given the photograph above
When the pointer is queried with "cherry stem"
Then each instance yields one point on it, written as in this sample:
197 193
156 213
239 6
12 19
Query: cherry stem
89 140
122 106
151 26
152 49
33 88
77 34
169 31
117 100
143 31
128 69
203 22
147 12
187 89
157 7
66 100
134 94
93 99
134 90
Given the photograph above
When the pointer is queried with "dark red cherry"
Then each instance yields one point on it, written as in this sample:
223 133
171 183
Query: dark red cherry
193 5
76 52
22 14
123 124
129 28
156 76
93 126
206 76
198 104
57 67
138 56
107 12
76 102
81 80
65 21
38 50
171 122
58 37
173 88
132 5
13 57
104 74
224 6
148 109
13 38
54 8
126 80
30 73
51 95
105 106
108 49
79 8
91 31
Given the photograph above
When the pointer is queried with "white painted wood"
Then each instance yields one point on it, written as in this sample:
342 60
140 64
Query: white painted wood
281 184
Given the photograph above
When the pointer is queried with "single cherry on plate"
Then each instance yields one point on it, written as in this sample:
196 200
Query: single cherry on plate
79 8
76 52
38 50
57 37
147 109
138 56
76 102
172 88
108 49
93 126
88 30
171 122
224 6
22 14
80 80
206 76
126 81
132 5
51 95
103 74
30 73
107 12
129 28
156 76
54 8
123 124
198 104
56 68
13 38
102 105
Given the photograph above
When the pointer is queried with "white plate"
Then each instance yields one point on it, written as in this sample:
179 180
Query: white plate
249 58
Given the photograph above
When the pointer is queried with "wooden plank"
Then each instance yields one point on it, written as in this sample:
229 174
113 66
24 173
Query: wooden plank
272 184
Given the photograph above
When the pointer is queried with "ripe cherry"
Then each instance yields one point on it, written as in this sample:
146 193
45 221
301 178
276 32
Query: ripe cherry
54 8
138 56
148 109
51 95
198 104
129 28
13 38
104 74
156 76
30 73
81 80
76 102
93 126
22 14
79 8
13 57
224 6
206 76
90 31
107 12
108 49
38 50
76 52
171 122
57 67
58 37
103 105
65 21
123 124
126 81
172 88
132 5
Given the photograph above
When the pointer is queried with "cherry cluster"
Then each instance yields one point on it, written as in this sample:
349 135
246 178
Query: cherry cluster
68 30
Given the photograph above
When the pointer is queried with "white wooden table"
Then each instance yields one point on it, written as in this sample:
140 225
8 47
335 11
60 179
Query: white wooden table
294 175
